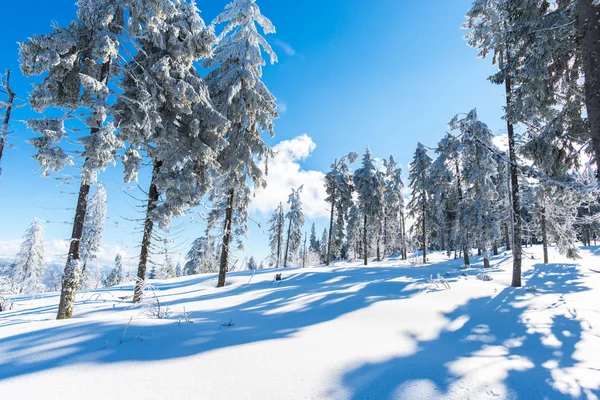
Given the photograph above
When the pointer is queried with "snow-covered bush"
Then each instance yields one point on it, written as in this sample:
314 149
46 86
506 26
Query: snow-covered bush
484 277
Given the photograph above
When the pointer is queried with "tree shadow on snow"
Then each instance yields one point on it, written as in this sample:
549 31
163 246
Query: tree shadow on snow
273 311
497 342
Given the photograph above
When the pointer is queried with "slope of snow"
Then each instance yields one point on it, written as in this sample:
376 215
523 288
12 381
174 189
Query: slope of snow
343 332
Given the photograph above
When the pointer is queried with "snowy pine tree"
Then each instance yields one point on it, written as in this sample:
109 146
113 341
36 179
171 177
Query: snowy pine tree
165 110
368 185
201 258
314 242
339 188
295 218
393 208
420 185
276 232
29 263
116 275
239 94
93 227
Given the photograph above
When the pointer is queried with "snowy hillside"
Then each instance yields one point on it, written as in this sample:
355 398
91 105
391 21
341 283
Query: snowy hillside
344 332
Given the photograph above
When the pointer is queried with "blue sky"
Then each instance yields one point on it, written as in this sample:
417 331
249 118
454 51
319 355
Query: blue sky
351 74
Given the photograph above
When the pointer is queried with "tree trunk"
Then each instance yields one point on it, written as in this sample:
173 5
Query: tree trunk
385 239
404 250
6 122
544 235
589 28
304 253
138 293
514 183
365 251
280 226
330 228
479 251
72 273
224 263
465 249
486 259
287 244
495 248
424 231
378 248
506 237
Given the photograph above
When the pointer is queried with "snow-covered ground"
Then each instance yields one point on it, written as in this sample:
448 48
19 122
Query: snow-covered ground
344 332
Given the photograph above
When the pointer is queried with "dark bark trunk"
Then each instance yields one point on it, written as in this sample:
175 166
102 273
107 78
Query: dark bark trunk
424 230
304 253
479 251
287 244
495 248
506 237
138 293
515 195
329 240
404 250
589 29
544 235
378 248
465 247
280 226
486 262
71 275
224 262
385 239
9 105
465 250
365 247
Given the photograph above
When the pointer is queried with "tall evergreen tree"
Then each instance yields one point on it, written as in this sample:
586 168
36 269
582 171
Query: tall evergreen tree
77 62
295 217
276 232
116 274
367 182
93 228
478 169
339 188
165 110
393 207
489 31
419 183
201 258
314 242
239 94
29 264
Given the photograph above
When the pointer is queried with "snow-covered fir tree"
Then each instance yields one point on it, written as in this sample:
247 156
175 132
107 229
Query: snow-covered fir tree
165 110
201 257
77 63
339 188
323 246
420 185
393 201
314 242
93 229
478 169
353 233
251 266
295 217
27 271
368 185
178 270
116 274
240 95
276 235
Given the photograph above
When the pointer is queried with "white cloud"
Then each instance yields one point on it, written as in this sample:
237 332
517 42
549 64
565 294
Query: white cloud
55 251
285 173
286 47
